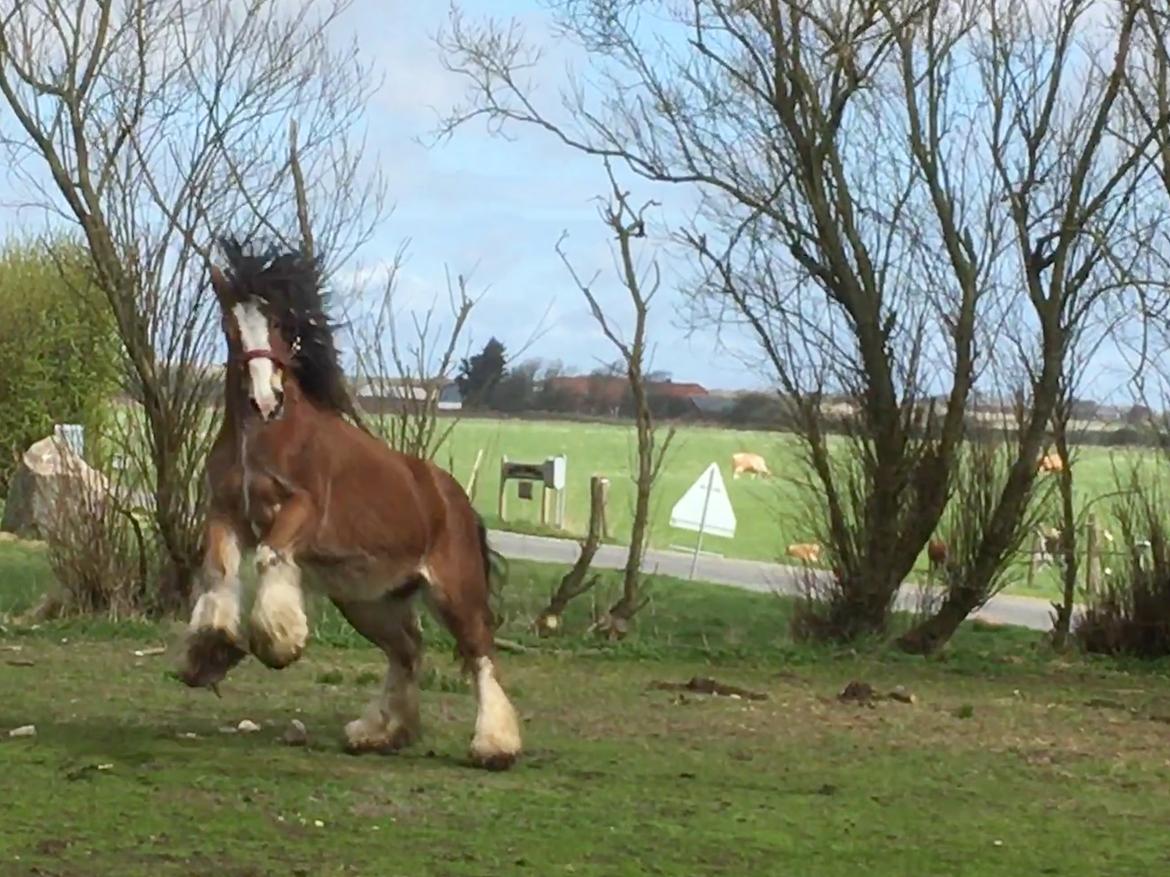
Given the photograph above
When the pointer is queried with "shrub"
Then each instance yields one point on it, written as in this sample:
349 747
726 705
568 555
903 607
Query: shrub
102 550
58 348
1129 613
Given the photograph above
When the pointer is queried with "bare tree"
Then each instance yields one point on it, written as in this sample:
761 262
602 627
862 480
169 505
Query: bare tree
1074 196
407 360
627 225
156 125
577 580
1085 341
871 213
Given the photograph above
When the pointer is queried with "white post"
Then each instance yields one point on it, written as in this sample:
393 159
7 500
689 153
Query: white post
702 523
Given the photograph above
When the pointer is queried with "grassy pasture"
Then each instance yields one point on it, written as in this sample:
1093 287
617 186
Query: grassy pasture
1010 762
770 513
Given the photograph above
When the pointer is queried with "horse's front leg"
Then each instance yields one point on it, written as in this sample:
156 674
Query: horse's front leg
278 626
214 644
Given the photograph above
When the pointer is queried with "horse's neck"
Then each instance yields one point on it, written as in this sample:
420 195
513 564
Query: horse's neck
235 399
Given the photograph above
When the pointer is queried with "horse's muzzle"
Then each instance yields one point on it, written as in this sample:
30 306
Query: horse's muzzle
271 412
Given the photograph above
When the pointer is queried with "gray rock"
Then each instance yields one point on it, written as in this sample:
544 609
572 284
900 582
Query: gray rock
49 470
296 734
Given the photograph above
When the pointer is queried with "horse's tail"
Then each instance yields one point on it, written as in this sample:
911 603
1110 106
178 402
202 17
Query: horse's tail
495 571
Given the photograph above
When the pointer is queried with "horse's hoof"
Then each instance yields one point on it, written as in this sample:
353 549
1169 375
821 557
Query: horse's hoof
494 760
211 653
359 740
274 657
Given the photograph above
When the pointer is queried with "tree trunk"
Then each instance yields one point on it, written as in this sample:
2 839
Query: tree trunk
935 632
931 634
1068 546
574 583
630 602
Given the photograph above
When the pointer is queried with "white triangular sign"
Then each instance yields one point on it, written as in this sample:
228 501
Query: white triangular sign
707 493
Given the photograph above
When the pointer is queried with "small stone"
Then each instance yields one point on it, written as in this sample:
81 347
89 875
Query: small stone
296 734
188 735
23 731
247 726
318 823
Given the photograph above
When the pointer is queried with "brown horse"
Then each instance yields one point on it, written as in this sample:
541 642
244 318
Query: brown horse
293 479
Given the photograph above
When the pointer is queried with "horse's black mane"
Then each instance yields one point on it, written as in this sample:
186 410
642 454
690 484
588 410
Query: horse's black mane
288 286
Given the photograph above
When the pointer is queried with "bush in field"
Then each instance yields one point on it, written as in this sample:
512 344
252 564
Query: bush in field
58 350
1129 614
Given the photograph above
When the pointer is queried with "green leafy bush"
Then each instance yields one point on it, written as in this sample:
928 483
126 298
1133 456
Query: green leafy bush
58 347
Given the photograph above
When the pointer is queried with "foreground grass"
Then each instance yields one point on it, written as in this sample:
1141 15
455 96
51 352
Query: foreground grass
1010 762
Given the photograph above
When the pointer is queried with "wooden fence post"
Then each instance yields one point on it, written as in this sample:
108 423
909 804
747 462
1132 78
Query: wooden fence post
502 504
1092 556
603 496
1038 550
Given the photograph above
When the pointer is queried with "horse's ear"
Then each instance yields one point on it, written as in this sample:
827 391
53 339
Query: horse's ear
221 286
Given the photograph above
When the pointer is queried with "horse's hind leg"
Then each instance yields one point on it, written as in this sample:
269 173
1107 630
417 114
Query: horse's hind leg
461 602
391 720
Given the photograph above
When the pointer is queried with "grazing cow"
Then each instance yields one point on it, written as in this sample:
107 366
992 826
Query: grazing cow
936 555
1050 463
1050 538
805 552
753 464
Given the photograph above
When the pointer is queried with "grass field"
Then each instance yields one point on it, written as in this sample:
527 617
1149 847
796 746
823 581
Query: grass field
1010 762
770 513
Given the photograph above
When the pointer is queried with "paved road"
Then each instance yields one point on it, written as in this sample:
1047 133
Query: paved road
751 575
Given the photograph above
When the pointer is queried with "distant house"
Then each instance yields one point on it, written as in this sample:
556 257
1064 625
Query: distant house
673 390
383 395
450 399
606 393
592 392
713 407
1084 409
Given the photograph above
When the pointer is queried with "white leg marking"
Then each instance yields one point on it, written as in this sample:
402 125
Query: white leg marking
391 720
497 729
218 607
280 629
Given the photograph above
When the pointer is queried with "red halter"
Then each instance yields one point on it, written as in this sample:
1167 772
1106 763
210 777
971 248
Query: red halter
265 353
262 353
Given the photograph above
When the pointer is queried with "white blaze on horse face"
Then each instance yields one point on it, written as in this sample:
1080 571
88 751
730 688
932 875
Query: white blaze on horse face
265 382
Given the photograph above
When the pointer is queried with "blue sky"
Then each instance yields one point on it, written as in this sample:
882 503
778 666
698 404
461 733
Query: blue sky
494 209
489 208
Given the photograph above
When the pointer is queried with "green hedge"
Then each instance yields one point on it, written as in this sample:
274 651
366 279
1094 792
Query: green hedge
59 352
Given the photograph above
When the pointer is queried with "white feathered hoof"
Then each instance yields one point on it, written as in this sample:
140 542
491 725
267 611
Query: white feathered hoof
496 743
362 736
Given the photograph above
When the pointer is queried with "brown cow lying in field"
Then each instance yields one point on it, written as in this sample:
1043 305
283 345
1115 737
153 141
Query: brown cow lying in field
753 464
805 552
